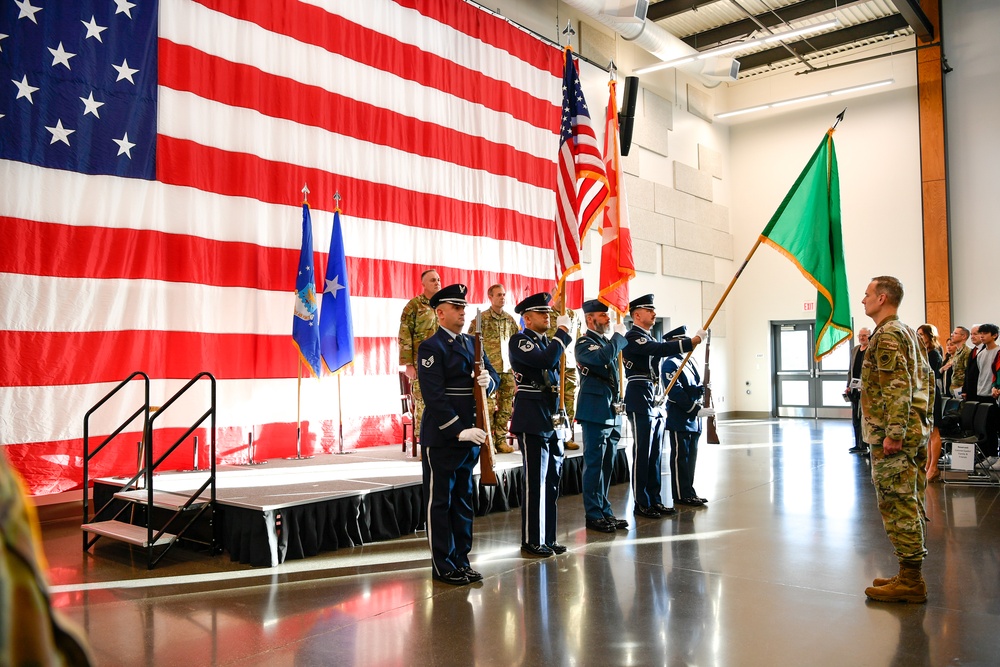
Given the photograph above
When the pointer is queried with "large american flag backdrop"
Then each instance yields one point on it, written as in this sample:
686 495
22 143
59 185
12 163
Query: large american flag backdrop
151 161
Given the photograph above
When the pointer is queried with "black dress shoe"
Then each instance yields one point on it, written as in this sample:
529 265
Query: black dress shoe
536 550
471 574
664 510
690 502
857 449
453 577
556 548
600 525
619 524
704 500
647 512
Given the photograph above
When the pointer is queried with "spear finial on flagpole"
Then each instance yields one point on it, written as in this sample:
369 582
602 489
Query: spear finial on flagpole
613 70
336 200
840 117
305 193
569 31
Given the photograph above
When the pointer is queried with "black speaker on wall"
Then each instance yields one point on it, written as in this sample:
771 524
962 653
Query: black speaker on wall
626 118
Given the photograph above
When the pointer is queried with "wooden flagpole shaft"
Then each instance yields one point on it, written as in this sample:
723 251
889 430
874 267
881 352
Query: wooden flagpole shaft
340 417
298 415
711 317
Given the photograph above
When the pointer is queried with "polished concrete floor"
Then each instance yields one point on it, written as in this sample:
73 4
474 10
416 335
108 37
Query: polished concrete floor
772 572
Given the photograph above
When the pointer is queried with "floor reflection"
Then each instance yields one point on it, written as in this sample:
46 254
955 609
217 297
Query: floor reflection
772 572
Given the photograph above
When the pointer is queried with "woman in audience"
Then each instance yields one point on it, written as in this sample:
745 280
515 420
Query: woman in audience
928 334
946 370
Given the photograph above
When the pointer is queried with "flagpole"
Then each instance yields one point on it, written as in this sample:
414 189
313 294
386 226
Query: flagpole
711 317
340 394
298 399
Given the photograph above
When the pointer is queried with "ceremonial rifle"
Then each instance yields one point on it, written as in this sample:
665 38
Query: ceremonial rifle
713 435
487 460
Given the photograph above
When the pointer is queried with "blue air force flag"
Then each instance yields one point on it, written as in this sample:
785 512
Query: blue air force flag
336 329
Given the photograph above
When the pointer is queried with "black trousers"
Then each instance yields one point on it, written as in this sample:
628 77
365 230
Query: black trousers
543 462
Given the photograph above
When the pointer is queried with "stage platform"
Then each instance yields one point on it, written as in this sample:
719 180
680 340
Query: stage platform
286 509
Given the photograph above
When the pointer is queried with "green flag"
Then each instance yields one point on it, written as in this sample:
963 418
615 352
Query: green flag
806 230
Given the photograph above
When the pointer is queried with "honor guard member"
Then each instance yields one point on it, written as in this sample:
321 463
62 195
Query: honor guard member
417 323
497 329
450 439
535 362
684 412
644 402
599 412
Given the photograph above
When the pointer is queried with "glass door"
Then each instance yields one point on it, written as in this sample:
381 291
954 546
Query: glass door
801 386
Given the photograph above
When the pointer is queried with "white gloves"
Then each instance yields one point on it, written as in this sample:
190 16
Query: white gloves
706 412
702 334
563 321
484 379
476 436
620 328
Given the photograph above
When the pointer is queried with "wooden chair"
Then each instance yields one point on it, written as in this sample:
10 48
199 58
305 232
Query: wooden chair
406 406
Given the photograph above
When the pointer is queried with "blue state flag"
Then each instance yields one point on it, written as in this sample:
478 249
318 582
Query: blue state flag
336 328
305 324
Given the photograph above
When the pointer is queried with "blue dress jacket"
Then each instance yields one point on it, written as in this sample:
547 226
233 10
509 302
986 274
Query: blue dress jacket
641 358
535 363
597 363
683 401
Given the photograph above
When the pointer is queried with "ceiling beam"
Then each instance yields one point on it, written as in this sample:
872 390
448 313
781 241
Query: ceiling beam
828 40
667 8
799 11
915 16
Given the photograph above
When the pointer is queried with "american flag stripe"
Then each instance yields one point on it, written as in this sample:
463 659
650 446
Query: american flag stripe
231 356
194 271
136 254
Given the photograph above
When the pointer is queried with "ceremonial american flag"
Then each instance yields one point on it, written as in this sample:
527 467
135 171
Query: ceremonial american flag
617 264
152 155
582 186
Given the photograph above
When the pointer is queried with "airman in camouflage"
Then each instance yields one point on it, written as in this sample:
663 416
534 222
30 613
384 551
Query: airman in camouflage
417 323
897 393
959 361
498 327
570 373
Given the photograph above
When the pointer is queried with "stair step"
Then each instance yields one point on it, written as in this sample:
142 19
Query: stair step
162 499
126 532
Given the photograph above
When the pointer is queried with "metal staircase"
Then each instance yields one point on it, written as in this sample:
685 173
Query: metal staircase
137 513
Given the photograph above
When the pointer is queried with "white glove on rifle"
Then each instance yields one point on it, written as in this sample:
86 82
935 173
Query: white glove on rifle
706 412
563 321
484 379
620 328
474 435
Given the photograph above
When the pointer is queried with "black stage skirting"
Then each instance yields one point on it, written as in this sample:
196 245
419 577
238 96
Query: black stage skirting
271 537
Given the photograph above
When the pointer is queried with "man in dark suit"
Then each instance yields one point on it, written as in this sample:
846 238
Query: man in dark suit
644 402
449 438
684 412
598 413
534 361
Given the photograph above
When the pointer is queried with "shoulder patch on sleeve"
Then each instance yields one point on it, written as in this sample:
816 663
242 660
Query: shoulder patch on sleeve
593 348
525 345
428 362
641 341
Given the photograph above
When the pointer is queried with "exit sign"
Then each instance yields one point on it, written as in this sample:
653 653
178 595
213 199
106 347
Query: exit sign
809 306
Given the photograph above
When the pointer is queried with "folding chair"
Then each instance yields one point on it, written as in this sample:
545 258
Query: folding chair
406 404
981 474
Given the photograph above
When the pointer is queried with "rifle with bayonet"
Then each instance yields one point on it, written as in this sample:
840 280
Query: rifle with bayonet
712 433
487 459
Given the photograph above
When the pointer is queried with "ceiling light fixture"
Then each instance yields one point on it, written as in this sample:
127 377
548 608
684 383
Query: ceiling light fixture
738 46
806 98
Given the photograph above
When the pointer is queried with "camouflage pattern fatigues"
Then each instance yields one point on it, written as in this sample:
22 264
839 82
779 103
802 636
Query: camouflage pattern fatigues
570 358
497 331
897 395
32 631
958 363
417 323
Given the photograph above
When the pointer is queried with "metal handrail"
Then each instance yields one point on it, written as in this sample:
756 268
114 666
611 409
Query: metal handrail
87 454
151 464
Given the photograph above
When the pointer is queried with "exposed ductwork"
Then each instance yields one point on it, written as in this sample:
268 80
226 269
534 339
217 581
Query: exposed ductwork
659 42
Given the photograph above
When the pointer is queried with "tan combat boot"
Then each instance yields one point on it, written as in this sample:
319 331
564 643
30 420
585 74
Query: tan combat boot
907 586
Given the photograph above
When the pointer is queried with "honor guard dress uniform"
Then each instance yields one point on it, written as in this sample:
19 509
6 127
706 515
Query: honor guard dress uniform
644 404
684 424
600 421
417 323
445 367
534 360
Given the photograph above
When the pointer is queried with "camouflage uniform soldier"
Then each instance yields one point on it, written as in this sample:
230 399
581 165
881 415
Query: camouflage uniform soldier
570 374
417 323
498 327
896 395
959 361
